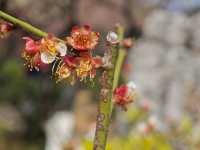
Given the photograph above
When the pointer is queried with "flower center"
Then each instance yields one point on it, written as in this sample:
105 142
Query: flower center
50 47
84 68
82 40
63 72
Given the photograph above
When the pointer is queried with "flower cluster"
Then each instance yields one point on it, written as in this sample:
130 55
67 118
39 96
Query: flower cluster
5 28
43 51
72 57
124 95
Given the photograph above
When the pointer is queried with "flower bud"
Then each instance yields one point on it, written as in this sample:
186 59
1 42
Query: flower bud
127 43
112 37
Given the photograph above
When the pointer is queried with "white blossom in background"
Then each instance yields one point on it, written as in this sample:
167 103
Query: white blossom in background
155 123
59 129
91 133
195 31
142 127
148 59
163 61
177 29
155 24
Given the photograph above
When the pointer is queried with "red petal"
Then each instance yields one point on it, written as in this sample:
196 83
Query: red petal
121 91
75 28
31 46
70 61
97 61
36 60
87 27
97 33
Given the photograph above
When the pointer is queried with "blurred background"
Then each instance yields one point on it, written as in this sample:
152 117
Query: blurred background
37 114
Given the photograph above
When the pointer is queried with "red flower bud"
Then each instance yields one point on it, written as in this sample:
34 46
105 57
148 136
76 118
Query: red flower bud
31 46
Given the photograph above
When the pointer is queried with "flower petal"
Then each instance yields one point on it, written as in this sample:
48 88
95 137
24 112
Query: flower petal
47 58
83 39
112 37
61 48
131 85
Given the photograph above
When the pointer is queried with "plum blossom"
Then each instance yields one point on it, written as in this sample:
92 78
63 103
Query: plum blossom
31 46
66 70
50 48
31 54
124 95
75 64
82 38
87 66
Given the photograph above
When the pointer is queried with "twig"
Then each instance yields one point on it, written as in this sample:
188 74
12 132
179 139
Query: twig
24 25
109 82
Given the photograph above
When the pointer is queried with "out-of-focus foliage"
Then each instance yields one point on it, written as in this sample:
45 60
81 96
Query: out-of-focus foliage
150 142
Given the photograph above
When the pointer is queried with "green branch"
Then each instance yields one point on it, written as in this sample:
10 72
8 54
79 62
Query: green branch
28 27
120 58
109 82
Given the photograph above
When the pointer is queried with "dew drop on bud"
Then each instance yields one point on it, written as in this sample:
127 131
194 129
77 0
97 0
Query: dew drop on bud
112 37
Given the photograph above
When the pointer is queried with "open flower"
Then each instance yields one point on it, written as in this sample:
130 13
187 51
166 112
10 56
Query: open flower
31 53
66 71
87 66
31 46
33 61
63 72
124 95
50 48
82 38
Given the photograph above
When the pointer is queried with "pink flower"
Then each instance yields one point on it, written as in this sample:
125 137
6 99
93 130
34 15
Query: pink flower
82 38
66 71
121 91
32 55
5 28
71 61
50 48
124 95
31 46
87 66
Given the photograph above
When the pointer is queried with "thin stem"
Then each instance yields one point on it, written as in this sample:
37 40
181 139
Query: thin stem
109 82
118 66
120 60
28 27
104 108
